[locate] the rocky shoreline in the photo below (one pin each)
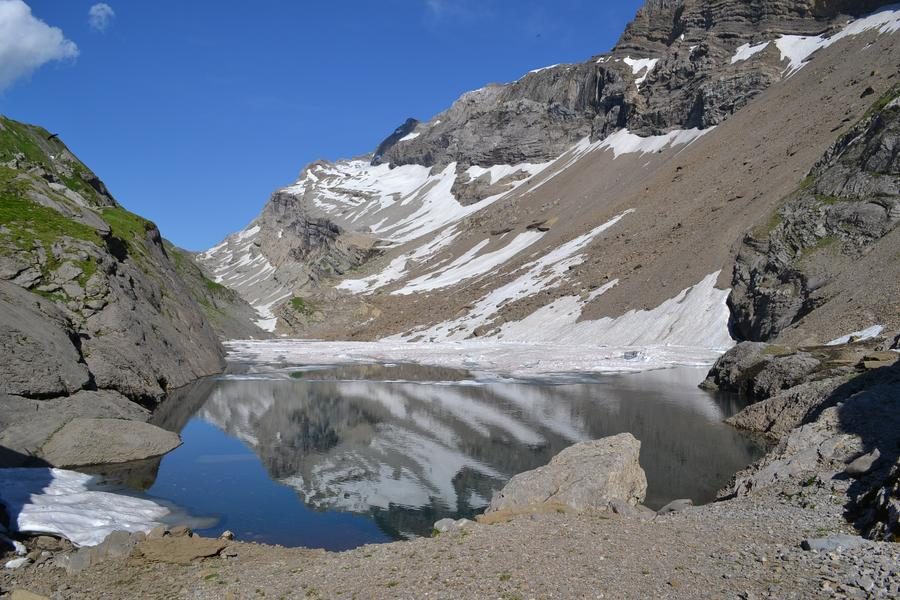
(816, 517)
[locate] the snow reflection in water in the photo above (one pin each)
(336, 457)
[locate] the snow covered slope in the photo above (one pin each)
(596, 203)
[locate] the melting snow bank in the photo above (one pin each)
(485, 359)
(61, 503)
(688, 329)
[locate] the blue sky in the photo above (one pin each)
(194, 112)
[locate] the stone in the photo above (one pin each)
(863, 464)
(30, 423)
(158, 532)
(180, 550)
(118, 545)
(835, 543)
(446, 525)
(586, 476)
(84, 442)
(730, 370)
(180, 531)
(676, 506)
(227, 535)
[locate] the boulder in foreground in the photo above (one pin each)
(586, 476)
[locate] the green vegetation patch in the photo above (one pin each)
(16, 138)
(30, 222)
(126, 225)
(821, 244)
(214, 287)
(885, 99)
(302, 306)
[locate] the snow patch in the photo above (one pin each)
(864, 334)
(409, 136)
(544, 68)
(625, 142)
(398, 268)
(60, 502)
(747, 51)
(698, 317)
(641, 65)
(540, 274)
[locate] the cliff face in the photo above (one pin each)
(672, 68)
(92, 306)
(830, 248)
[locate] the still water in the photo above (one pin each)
(337, 457)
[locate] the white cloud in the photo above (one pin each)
(26, 42)
(100, 16)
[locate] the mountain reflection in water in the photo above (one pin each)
(384, 451)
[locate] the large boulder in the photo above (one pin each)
(26, 425)
(84, 442)
(586, 476)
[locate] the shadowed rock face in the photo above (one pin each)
(845, 213)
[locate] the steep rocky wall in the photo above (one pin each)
(842, 222)
(692, 83)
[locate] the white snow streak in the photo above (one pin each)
(470, 264)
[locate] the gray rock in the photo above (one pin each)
(106, 441)
(39, 357)
(804, 257)
(586, 476)
(731, 370)
(116, 314)
(26, 425)
(676, 506)
(779, 415)
(118, 545)
(835, 543)
(863, 464)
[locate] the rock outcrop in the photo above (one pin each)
(837, 231)
(587, 476)
(836, 426)
(93, 309)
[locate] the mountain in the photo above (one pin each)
(725, 170)
(96, 319)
